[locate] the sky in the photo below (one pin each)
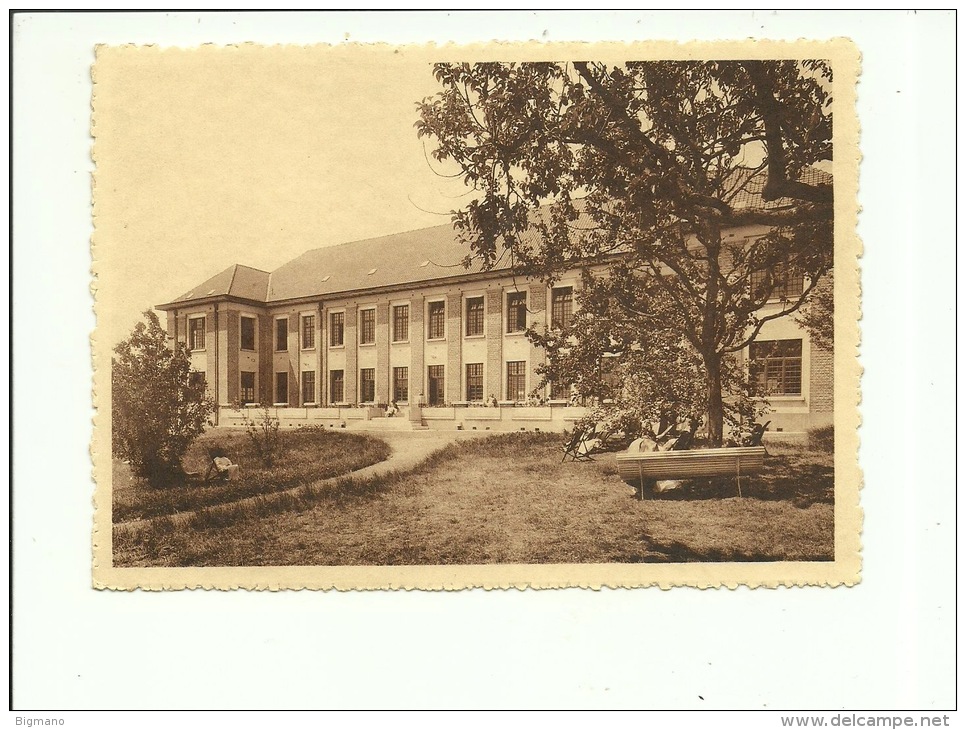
(251, 155)
(210, 155)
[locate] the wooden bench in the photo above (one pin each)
(636, 467)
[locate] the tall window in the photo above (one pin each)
(247, 333)
(367, 385)
(281, 387)
(247, 388)
(516, 380)
(559, 390)
(281, 334)
(367, 326)
(437, 320)
(196, 333)
(436, 382)
(337, 386)
(776, 365)
(474, 381)
(474, 316)
(308, 386)
(516, 311)
(785, 280)
(308, 332)
(400, 384)
(337, 330)
(562, 307)
(400, 323)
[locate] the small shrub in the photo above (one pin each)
(263, 435)
(822, 439)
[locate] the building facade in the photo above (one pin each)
(341, 332)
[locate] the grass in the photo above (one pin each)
(822, 439)
(509, 499)
(307, 455)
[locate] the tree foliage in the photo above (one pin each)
(818, 314)
(158, 409)
(633, 172)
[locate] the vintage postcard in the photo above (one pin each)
(507, 315)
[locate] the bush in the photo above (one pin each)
(158, 407)
(263, 435)
(822, 439)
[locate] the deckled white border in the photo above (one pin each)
(580, 648)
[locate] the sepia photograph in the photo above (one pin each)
(483, 360)
(369, 308)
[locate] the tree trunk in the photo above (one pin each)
(715, 402)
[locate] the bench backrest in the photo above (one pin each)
(689, 464)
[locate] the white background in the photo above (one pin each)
(885, 644)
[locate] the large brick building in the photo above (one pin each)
(400, 319)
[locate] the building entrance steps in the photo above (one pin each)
(386, 424)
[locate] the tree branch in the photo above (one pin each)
(768, 318)
(778, 217)
(778, 185)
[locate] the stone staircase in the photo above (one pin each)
(386, 424)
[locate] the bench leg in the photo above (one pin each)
(738, 470)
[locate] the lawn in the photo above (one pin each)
(307, 455)
(509, 499)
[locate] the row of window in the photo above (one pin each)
(281, 333)
(516, 384)
(775, 365)
(196, 332)
(784, 282)
(516, 321)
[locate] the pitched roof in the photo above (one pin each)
(745, 187)
(423, 255)
(237, 280)
(401, 258)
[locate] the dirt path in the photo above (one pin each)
(409, 448)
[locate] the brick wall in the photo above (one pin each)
(821, 379)
(537, 304)
(212, 351)
(417, 334)
(383, 373)
(172, 325)
(454, 348)
(183, 328)
(266, 353)
(294, 374)
(321, 361)
(351, 354)
(494, 344)
(229, 371)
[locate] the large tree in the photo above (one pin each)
(633, 172)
